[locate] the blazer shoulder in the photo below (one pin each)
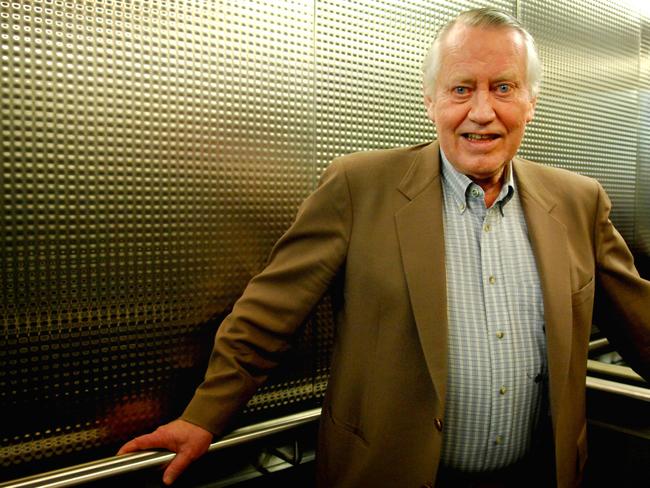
(379, 163)
(559, 183)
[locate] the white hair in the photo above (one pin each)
(483, 17)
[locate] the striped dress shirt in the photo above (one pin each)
(496, 340)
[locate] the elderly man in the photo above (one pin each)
(468, 278)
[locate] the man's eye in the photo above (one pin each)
(460, 90)
(503, 88)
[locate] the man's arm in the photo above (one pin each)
(623, 297)
(252, 339)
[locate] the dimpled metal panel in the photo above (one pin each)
(151, 155)
(642, 220)
(368, 71)
(588, 110)
(266, 162)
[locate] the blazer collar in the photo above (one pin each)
(534, 187)
(424, 170)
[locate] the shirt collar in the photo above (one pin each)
(461, 185)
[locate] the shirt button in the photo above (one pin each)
(503, 390)
(475, 192)
(499, 334)
(461, 207)
(492, 280)
(498, 439)
(438, 423)
(486, 227)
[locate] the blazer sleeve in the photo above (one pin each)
(623, 297)
(252, 338)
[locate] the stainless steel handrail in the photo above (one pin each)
(598, 343)
(616, 370)
(118, 465)
(631, 391)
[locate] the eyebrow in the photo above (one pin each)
(505, 77)
(468, 80)
(462, 81)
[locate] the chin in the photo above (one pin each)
(482, 169)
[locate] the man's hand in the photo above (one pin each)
(187, 440)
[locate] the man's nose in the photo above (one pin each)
(481, 111)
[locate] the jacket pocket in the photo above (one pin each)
(584, 293)
(346, 427)
(341, 453)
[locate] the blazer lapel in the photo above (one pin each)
(420, 228)
(420, 232)
(551, 247)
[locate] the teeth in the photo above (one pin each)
(479, 137)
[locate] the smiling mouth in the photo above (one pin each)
(480, 137)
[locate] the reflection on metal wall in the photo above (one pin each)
(587, 117)
(153, 152)
(642, 209)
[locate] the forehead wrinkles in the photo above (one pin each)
(474, 49)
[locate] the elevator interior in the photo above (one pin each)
(152, 152)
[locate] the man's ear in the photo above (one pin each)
(430, 105)
(531, 109)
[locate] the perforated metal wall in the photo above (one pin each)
(152, 152)
(641, 240)
(587, 118)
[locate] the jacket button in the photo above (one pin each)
(438, 423)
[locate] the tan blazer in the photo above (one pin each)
(374, 227)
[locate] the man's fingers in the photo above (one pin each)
(179, 464)
(189, 441)
(147, 441)
(174, 469)
(130, 446)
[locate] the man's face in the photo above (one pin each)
(481, 103)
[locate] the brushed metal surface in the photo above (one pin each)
(641, 241)
(151, 155)
(587, 116)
